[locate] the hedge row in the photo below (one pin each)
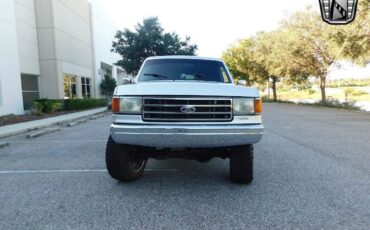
(53, 105)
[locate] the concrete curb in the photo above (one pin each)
(15, 129)
(42, 132)
(74, 123)
(3, 144)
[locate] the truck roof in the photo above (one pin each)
(183, 57)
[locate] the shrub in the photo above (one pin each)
(47, 106)
(359, 93)
(335, 103)
(348, 83)
(348, 91)
(353, 92)
(50, 105)
(330, 103)
(37, 108)
(78, 104)
(311, 91)
(108, 85)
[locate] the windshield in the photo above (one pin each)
(184, 70)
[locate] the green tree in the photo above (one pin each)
(240, 58)
(148, 39)
(108, 85)
(317, 45)
(272, 52)
(310, 50)
(353, 40)
(262, 58)
(302, 46)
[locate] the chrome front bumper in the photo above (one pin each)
(186, 136)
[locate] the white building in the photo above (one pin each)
(103, 31)
(53, 49)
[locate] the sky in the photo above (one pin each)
(212, 24)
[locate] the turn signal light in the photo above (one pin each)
(258, 105)
(115, 105)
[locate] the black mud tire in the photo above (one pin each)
(122, 162)
(241, 164)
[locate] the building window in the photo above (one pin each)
(86, 87)
(105, 69)
(30, 90)
(70, 88)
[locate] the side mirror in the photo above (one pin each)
(126, 81)
(241, 82)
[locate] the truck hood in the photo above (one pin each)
(185, 89)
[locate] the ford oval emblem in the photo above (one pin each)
(188, 109)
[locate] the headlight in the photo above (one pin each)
(127, 105)
(243, 106)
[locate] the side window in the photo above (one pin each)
(224, 74)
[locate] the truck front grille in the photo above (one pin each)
(187, 109)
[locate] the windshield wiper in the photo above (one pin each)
(156, 75)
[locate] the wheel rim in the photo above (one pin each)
(136, 162)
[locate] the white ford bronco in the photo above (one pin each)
(185, 107)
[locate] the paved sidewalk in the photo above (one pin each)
(15, 129)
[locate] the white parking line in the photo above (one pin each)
(52, 171)
(71, 171)
(48, 141)
(167, 170)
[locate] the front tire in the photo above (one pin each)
(241, 164)
(123, 162)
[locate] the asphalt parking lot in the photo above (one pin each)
(312, 171)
